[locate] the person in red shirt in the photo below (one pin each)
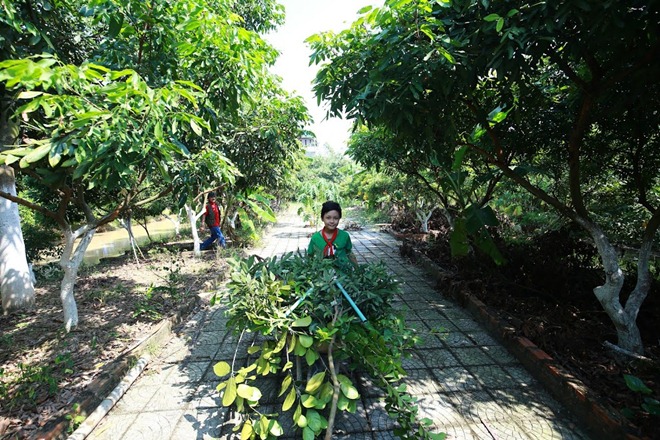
(211, 218)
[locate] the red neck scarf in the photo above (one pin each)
(329, 249)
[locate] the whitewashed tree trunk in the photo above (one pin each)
(232, 220)
(192, 218)
(449, 217)
(608, 294)
(70, 261)
(424, 218)
(135, 247)
(16, 284)
(176, 222)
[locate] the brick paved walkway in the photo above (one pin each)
(468, 384)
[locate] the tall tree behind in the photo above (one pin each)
(148, 98)
(26, 28)
(569, 88)
(16, 283)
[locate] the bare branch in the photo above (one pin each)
(625, 352)
(161, 194)
(574, 143)
(30, 205)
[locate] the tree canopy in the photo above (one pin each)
(560, 89)
(128, 96)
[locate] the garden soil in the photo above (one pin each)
(44, 370)
(545, 292)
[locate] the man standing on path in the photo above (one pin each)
(211, 218)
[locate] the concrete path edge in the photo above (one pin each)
(101, 387)
(95, 417)
(599, 421)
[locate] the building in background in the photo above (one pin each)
(310, 144)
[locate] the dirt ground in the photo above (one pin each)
(545, 292)
(43, 369)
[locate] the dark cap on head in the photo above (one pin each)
(330, 206)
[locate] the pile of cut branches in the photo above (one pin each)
(318, 325)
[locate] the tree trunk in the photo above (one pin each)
(144, 223)
(126, 223)
(623, 318)
(16, 285)
(608, 294)
(643, 285)
(176, 222)
(450, 218)
(70, 261)
(424, 218)
(192, 218)
(232, 221)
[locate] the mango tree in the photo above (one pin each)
(104, 128)
(460, 186)
(205, 171)
(564, 87)
(97, 124)
(26, 28)
(208, 44)
(263, 142)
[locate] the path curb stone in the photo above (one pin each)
(599, 421)
(105, 382)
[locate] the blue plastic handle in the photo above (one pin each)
(300, 300)
(351, 302)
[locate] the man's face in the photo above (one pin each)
(211, 199)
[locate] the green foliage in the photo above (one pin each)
(522, 214)
(323, 178)
(141, 109)
(490, 78)
(30, 382)
(378, 191)
(473, 227)
(159, 299)
(295, 305)
(527, 94)
(52, 27)
(109, 123)
(145, 307)
(40, 233)
(48, 271)
(248, 234)
(75, 418)
(649, 404)
(409, 184)
(263, 142)
(4, 386)
(391, 194)
(42, 240)
(259, 15)
(253, 209)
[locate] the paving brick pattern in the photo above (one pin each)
(466, 383)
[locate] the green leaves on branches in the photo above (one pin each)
(312, 341)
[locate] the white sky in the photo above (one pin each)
(303, 19)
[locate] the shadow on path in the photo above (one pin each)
(465, 382)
